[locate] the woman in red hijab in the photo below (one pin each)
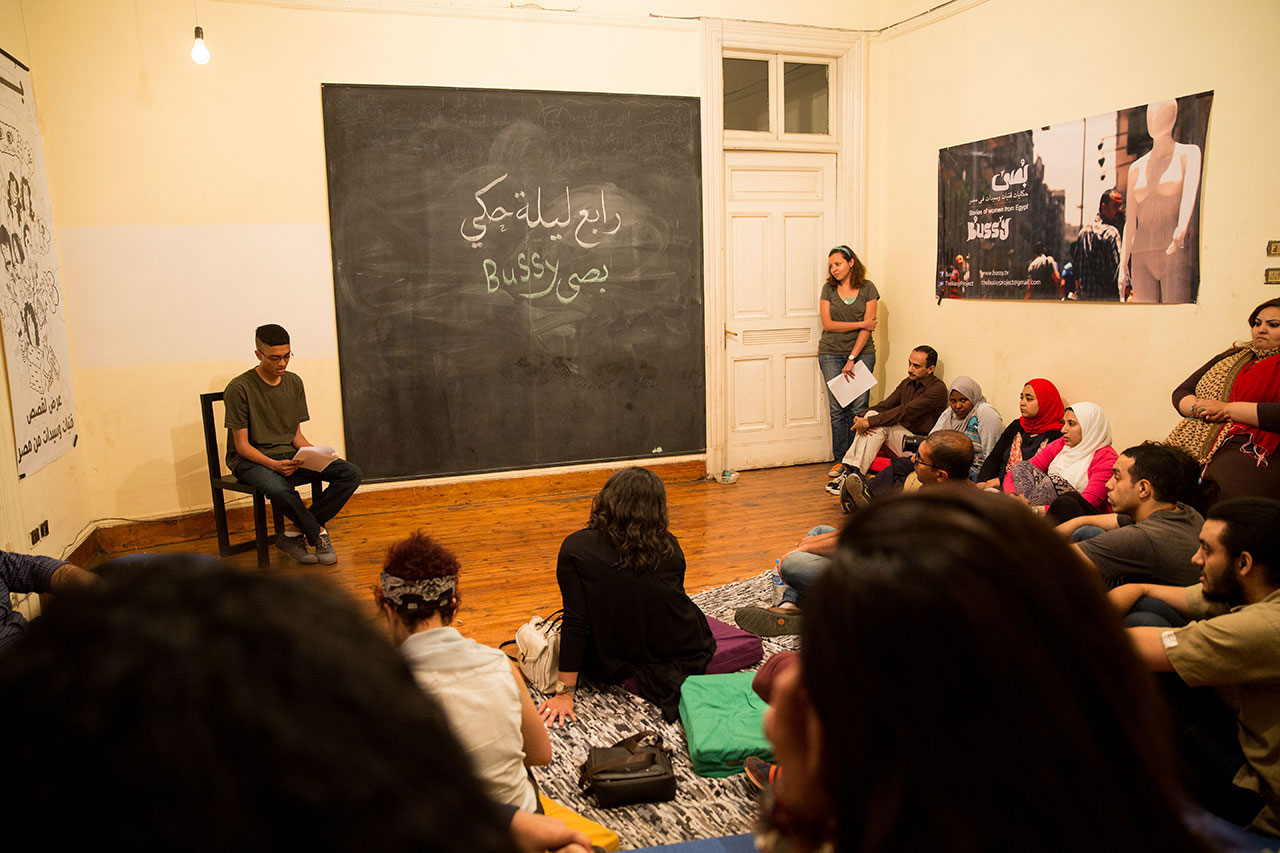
(1041, 422)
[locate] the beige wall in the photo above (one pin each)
(56, 493)
(1009, 65)
(190, 202)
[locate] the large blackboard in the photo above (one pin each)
(517, 276)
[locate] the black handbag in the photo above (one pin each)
(634, 770)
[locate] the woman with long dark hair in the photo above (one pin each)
(626, 614)
(966, 690)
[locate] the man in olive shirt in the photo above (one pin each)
(912, 409)
(265, 408)
(1233, 647)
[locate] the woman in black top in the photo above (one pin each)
(1041, 410)
(626, 614)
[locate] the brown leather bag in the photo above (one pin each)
(636, 769)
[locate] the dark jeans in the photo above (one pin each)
(342, 479)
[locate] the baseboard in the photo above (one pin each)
(140, 535)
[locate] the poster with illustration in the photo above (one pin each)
(1100, 209)
(31, 309)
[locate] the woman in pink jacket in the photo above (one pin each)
(1068, 477)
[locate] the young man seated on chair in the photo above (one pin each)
(265, 408)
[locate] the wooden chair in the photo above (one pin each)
(219, 483)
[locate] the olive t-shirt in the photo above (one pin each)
(853, 312)
(1237, 651)
(271, 413)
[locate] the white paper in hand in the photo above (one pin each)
(846, 390)
(315, 458)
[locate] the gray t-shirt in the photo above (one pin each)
(271, 413)
(1157, 549)
(852, 312)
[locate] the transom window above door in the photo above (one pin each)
(775, 96)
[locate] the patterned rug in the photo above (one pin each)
(703, 808)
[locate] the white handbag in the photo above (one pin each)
(538, 644)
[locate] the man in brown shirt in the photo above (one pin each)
(912, 409)
(1232, 646)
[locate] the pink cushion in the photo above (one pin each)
(735, 649)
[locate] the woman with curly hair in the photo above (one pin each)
(482, 692)
(626, 614)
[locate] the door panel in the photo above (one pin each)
(781, 209)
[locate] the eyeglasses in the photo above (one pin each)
(915, 457)
(276, 359)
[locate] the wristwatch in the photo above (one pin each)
(561, 688)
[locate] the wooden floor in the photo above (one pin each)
(507, 540)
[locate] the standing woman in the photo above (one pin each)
(848, 307)
(626, 614)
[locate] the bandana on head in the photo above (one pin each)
(414, 594)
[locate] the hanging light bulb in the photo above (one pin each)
(199, 53)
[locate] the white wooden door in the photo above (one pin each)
(781, 224)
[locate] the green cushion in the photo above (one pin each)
(723, 722)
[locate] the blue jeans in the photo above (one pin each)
(831, 366)
(342, 477)
(800, 569)
(1088, 531)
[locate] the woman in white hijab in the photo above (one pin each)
(1068, 477)
(969, 412)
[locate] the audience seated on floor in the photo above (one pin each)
(183, 705)
(480, 688)
(1222, 633)
(1068, 477)
(1049, 735)
(1040, 422)
(911, 409)
(967, 412)
(1151, 535)
(944, 457)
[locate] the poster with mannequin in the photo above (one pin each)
(32, 313)
(1101, 209)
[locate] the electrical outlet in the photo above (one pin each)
(35, 535)
(44, 528)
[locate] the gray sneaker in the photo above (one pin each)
(769, 621)
(324, 550)
(296, 547)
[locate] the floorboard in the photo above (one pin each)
(507, 540)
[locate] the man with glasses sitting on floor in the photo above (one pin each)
(943, 457)
(265, 408)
